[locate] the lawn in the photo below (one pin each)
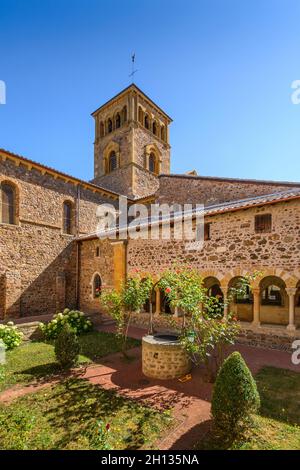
(66, 416)
(278, 424)
(34, 360)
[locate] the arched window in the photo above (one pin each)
(97, 286)
(152, 161)
(101, 129)
(68, 217)
(271, 295)
(112, 161)
(146, 121)
(118, 121)
(124, 114)
(154, 128)
(8, 203)
(162, 133)
(140, 115)
(109, 125)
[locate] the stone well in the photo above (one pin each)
(163, 357)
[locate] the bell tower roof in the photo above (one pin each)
(138, 91)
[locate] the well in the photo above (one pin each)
(163, 357)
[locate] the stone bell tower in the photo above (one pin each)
(131, 145)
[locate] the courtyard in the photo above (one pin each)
(41, 408)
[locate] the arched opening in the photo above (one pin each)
(140, 117)
(101, 129)
(164, 303)
(118, 121)
(162, 133)
(8, 203)
(97, 284)
(124, 114)
(215, 307)
(112, 161)
(68, 217)
(152, 163)
(241, 299)
(109, 126)
(154, 128)
(274, 302)
(146, 121)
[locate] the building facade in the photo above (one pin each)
(51, 256)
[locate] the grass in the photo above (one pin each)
(277, 427)
(65, 416)
(35, 360)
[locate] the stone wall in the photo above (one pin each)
(182, 189)
(38, 261)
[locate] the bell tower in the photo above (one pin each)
(131, 145)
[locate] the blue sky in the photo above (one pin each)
(221, 68)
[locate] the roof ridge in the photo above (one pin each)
(225, 178)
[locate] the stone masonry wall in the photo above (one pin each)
(38, 261)
(190, 189)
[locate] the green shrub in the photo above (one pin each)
(235, 398)
(67, 347)
(78, 321)
(10, 335)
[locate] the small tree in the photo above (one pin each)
(67, 347)
(235, 398)
(120, 304)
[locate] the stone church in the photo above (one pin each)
(51, 256)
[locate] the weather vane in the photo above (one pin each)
(133, 71)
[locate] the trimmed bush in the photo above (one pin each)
(235, 397)
(10, 336)
(67, 347)
(78, 321)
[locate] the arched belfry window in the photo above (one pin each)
(97, 284)
(68, 217)
(140, 115)
(162, 133)
(118, 121)
(124, 114)
(8, 203)
(101, 129)
(154, 128)
(152, 161)
(109, 125)
(112, 161)
(147, 121)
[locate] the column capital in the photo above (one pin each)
(291, 290)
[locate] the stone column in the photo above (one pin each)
(224, 289)
(256, 306)
(291, 292)
(157, 309)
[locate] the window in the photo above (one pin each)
(118, 121)
(146, 121)
(272, 296)
(97, 251)
(124, 114)
(67, 217)
(112, 162)
(109, 125)
(162, 133)
(152, 162)
(263, 223)
(101, 129)
(154, 128)
(207, 231)
(140, 115)
(8, 203)
(97, 286)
